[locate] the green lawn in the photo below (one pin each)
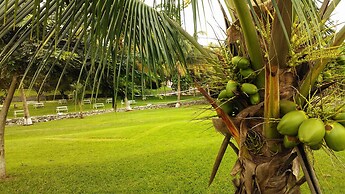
(149, 151)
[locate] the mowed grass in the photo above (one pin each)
(149, 151)
(146, 151)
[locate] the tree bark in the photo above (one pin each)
(128, 105)
(261, 171)
(258, 170)
(3, 116)
(27, 118)
(178, 104)
(81, 115)
(38, 98)
(265, 176)
(178, 87)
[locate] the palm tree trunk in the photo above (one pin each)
(27, 118)
(265, 176)
(178, 87)
(127, 104)
(261, 171)
(258, 170)
(38, 98)
(3, 115)
(81, 115)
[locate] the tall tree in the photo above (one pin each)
(3, 115)
(283, 41)
(27, 118)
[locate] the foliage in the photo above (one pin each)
(186, 83)
(22, 57)
(91, 28)
(283, 40)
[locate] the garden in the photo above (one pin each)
(150, 151)
(124, 96)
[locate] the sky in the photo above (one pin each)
(215, 19)
(339, 14)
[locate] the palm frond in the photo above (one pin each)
(146, 31)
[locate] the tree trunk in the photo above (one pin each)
(128, 105)
(27, 118)
(265, 175)
(260, 170)
(3, 116)
(178, 104)
(178, 87)
(113, 103)
(38, 98)
(81, 115)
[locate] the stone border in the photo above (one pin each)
(46, 118)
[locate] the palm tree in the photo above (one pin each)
(262, 31)
(27, 118)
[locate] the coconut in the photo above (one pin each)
(340, 118)
(248, 73)
(311, 131)
(286, 106)
(254, 98)
(290, 122)
(231, 88)
(222, 95)
(335, 136)
(290, 141)
(249, 88)
(240, 62)
(227, 107)
(316, 147)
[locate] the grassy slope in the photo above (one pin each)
(150, 151)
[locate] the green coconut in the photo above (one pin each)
(290, 122)
(222, 95)
(290, 141)
(249, 88)
(248, 73)
(231, 88)
(316, 146)
(254, 98)
(340, 118)
(286, 106)
(311, 131)
(240, 62)
(227, 107)
(335, 136)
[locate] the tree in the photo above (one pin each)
(282, 39)
(78, 92)
(262, 156)
(27, 118)
(14, 69)
(3, 115)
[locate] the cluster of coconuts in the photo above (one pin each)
(232, 88)
(297, 128)
(243, 64)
